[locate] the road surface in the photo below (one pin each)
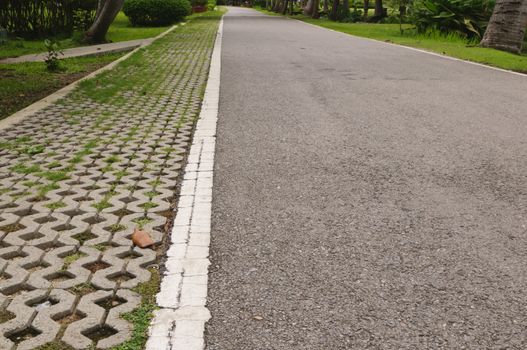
(367, 196)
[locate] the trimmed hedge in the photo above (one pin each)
(156, 12)
(199, 2)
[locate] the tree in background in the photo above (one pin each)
(506, 28)
(366, 9)
(311, 9)
(107, 10)
(333, 14)
(379, 10)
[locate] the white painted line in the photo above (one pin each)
(415, 49)
(179, 324)
(57, 95)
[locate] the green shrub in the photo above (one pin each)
(468, 18)
(52, 56)
(211, 5)
(156, 12)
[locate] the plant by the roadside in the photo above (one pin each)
(52, 57)
(468, 18)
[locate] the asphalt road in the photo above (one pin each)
(367, 196)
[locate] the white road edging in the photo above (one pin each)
(179, 324)
(57, 95)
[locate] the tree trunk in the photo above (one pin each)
(311, 9)
(345, 8)
(366, 8)
(315, 13)
(506, 28)
(334, 10)
(326, 6)
(106, 12)
(284, 7)
(308, 9)
(100, 5)
(279, 6)
(379, 9)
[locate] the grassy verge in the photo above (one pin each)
(25, 83)
(120, 30)
(451, 45)
(142, 316)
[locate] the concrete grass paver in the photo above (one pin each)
(78, 177)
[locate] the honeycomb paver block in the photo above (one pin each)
(116, 322)
(106, 167)
(94, 318)
(44, 319)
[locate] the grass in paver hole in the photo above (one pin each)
(83, 237)
(56, 205)
(70, 259)
(55, 346)
(141, 222)
(116, 228)
(6, 316)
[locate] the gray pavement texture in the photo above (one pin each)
(82, 51)
(366, 196)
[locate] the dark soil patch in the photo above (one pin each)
(29, 87)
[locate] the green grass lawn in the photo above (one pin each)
(25, 83)
(447, 45)
(121, 30)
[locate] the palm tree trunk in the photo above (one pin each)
(506, 28)
(366, 8)
(106, 12)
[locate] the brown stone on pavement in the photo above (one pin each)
(142, 239)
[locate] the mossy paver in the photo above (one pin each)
(77, 178)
